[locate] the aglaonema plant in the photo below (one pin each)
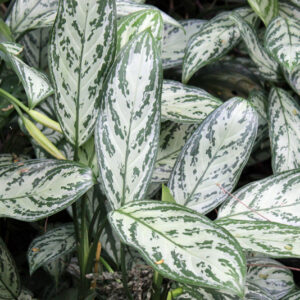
(108, 130)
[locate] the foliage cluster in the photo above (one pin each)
(135, 128)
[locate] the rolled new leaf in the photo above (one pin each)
(284, 116)
(274, 198)
(82, 48)
(50, 246)
(10, 284)
(41, 139)
(127, 130)
(36, 189)
(214, 156)
(182, 245)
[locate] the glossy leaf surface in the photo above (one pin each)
(214, 156)
(182, 244)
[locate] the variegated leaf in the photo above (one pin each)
(284, 115)
(36, 47)
(268, 238)
(12, 48)
(288, 10)
(137, 22)
(30, 14)
(248, 15)
(175, 40)
(265, 9)
(282, 39)
(271, 276)
(274, 198)
(293, 78)
(127, 130)
(181, 244)
(81, 50)
(10, 285)
(214, 155)
(57, 267)
(259, 100)
(214, 40)
(267, 66)
(50, 246)
(173, 137)
(294, 295)
(186, 104)
(38, 188)
(252, 292)
(126, 7)
(36, 84)
(6, 159)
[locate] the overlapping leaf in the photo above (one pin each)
(282, 39)
(36, 47)
(214, 40)
(288, 10)
(214, 156)
(259, 100)
(270, 275)
(137, 22)
(38, 188)
(81, 50)
(30, 14)
(265, 9)
(292, 296)
(252, 292)
(10, 285)
(126, 7)
(127, 130)
(172, 139)
(267, 66)
(58, 139)
(8, 158)
(50, 246)
(274, 198)
(175, 40)
(293, 78)
(284, 115)
(269, 238)
(36, 84)
(182, 244)
(185, 104)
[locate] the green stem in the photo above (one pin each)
(124, 273)
(13, 100)
(157, 281)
